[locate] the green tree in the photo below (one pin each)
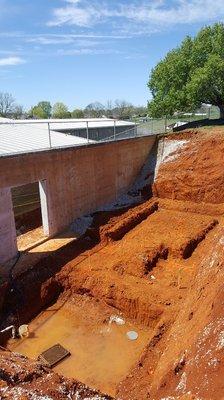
(41, 111)
(37, 112)
(190, 75)
(46, 107)
(77, 113)
(60, 110)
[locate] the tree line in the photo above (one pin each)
(120, 109)
(190, 75)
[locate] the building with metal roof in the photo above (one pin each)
(30, 135)
(95, 129)
(20, 138)
(76, 123)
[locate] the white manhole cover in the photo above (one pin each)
(132, 335)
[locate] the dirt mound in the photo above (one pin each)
(131, 219)
(186, 134)
(194, 172)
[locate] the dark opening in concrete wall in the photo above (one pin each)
(30, 212)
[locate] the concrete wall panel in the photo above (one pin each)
(78, 180)
(8, 245)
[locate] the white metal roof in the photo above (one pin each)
(2, 119)
(76, 123)
(82, 124)
(30, 137)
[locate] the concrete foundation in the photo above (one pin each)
(74, 181)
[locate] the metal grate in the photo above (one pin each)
(54, 355)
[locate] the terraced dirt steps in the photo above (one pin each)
(159, 267)
(141, 270)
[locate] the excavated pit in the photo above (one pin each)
(134, 270)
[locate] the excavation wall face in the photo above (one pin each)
(75, 181)
(190, 167)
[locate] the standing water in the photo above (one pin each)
(102, 354)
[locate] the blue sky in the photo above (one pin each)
(80, 51)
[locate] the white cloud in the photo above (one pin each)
(184, 12)
(51, 39)
(57, 38)
(7, 61)
(151, 14)
(75, 14)
(46, 40)
(86, 52)
(83, 13)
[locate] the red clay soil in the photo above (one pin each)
(23, 379)
(161, 265)
(196, 172)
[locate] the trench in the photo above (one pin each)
(121, 270)
(193, 243)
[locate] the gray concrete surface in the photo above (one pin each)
(74, 181)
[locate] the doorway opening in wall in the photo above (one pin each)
(27, 203)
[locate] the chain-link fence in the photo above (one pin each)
(30, 135)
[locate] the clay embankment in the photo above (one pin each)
(186, 362)
(159, 265)
(194, 172)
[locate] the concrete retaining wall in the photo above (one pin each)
(74, 181)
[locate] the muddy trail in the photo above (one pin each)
(155, 269)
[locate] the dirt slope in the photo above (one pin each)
(193, 359)
(195, 171)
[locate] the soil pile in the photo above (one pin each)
(194, 172)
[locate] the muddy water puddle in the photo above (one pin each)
(102, 354)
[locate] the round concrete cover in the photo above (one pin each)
(132, 335)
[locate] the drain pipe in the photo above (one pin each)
(10, 328)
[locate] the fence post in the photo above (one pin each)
(49, 134)
(114, 129)
(165, 124)
(209, 112)
(87, 131)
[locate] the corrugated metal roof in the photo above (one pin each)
(30, 137)
(75, 123)
(2, 119)
(72, 125)
(17, 136)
